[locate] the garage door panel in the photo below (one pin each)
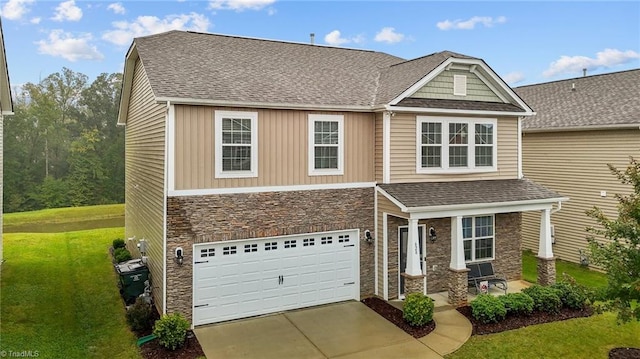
(254, 277)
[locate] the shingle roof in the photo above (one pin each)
(600, 100)
(459, 104)
(427, 194)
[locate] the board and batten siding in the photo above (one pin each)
(441, 87)
(574, 164)
(403, 153)
(384, 206)
(144, 173)
(282, 149)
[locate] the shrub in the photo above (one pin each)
(545, 299)
(571, 295)
(118, 243)
(417, 309)
(139, 315)
(517, 303)
(487, 308)
(121, 255)
(171, 330)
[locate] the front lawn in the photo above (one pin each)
(59, 298)
(583, 275)
(591, 337)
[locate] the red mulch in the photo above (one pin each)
(394, 315)
(515, 322)
(624, 353)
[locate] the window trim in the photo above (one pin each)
(311, 145)
(473, 239)
(253, 116)
(444, 153)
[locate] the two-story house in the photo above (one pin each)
(264, 176)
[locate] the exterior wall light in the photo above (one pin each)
(179, 255)
(367, 236)
(432, 234)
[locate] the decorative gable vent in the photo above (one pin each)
(460, 85)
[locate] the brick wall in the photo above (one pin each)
(213, 218)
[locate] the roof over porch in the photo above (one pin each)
(433, 199)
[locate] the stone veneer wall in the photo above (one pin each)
(213, 218)
(508, 251)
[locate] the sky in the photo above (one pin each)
(523, 42)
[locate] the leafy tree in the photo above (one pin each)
(86, 173)
(620, 254)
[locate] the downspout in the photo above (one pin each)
(520, 174)
(164, 210)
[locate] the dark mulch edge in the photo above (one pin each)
(394, 315)
(190, 350)
(519, 321)
(624, 353)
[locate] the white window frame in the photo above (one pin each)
(253, 116)
(444, 153)
(473, 239)
(311, 145)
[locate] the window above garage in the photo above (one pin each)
(236, 137)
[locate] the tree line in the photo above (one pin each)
(62, 147)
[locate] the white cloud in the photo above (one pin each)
(15, 9)
(239, 5)
(124, 31)
(513, 77)
(604, 59)
(116, 7)
(335, 38)
(67, 11)
(35, 20)
(470, 24)
(389, 35)
(63, 44)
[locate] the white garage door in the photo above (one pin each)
(252, 277)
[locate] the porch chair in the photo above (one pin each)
(479, 272)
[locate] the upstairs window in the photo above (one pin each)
(456, 145)
(236, 144)
(326, 148)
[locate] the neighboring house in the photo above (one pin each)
(580, 126)
(6, 108)
(265, 175)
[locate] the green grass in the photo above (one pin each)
(64, 215)
(584, 276)
(59, 294)
(591, 337)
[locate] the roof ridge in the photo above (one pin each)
(578, 78)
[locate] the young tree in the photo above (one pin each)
(619, 255)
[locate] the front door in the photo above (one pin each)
(403, 237)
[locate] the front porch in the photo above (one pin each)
(431, 231)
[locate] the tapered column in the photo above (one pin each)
(545, 248)
(413, 250)
(457, 248)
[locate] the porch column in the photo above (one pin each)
(458, 279)
(413, 250)
(546, 260)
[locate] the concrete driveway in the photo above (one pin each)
(346, 330)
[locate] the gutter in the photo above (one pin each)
(627, 126)
(483, 205)
(280, 106)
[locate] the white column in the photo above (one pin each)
(457, 248)
(413, 250)
(545, 249)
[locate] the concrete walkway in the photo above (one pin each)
(348, 330)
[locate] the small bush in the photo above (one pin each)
(417, 309)
(571, 295)
(545, 299)
(121, 255)
(171, 330)
(487, 308)
(139, 315)
(118, 243)
(517, 303)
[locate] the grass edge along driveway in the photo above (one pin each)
(58, 296)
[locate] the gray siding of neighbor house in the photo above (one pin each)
(441, 87)
(144, 177)
(574, 164)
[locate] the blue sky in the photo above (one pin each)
(524, 42)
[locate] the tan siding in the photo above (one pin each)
(282, 149)
(574, 164)
(441, 87)
(144, 172)
(403, 153)
(378, 157)
(1, 185)
(384, 206)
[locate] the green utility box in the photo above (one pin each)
(132, 275)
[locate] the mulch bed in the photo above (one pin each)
(394, 315)
(624, 353)
(190, 350)
(515, 322)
